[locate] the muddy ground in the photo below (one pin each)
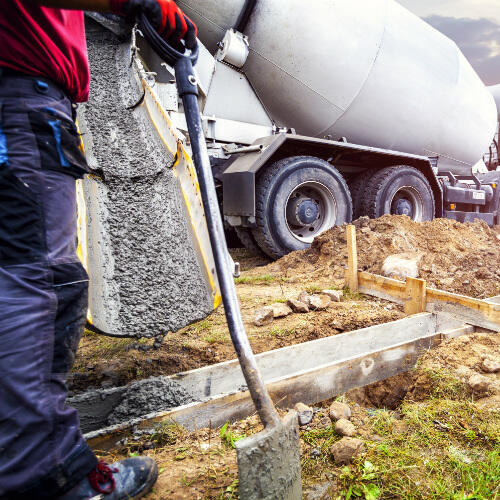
(439, 439)
(461, 258)
(431, 433)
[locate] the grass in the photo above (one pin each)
(348, 295)
(282, 332)
(441, 449)
(256, 280)
(228, 436)
(216, 337)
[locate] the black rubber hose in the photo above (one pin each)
(160, 46)
(245, 15)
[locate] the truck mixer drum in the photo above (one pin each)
(298, 198)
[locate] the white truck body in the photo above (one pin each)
(367, 70)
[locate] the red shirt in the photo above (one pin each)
(48, 42)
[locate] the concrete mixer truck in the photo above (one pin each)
(492, 156)
(320, 113)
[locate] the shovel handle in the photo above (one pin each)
(188, 90)
(187, 86)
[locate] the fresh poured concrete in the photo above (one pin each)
(145, 274)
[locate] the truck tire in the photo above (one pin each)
(357, 186)
(399, 190)
(247, 239)
(298, 198)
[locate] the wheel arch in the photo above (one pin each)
(241, 171)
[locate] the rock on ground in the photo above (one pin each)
(263, 316)
(401, 266)
(479, 384)
(280, 310)
(305, 414)
(490, 366)
(345, 450)
(339, 410)
(345, 428)
(298, 306)
(319, 302)
(335, 295)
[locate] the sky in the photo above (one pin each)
(473, 24)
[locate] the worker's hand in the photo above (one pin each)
(170, 22)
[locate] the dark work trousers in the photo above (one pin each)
(43, 291)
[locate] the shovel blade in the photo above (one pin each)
(269, 462)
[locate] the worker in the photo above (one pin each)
(44, 72)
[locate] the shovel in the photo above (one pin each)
(268, 462)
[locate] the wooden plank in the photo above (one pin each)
(415, 296)
(483, 313)
(493, 300)
(382, 287)
(469, 310)
(352, 259)
(309, 387)
(226, 377)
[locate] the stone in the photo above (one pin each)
(346, 449)
(280, 310)
(319, 302)
(345, 428)
(305, 298)
(325, 422)
(479, 383)
(335, 295)
(401, 266)
(490, 366)
(263, 316)
(305, 413)
(339, 410)
(298, 306)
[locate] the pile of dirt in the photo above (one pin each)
(456, 257)
(467, 365)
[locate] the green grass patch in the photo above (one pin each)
(256, 280)
(228, 437)
(440, 449)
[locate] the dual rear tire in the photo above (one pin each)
(300, 197)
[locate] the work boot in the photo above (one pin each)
(129, 479)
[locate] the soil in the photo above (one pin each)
(435, 420)
(107, 362)
(433, 414)
(459, 258)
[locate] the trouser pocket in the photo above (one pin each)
(58, 142)
(21, 224)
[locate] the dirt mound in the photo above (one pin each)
(468, 365)
(461, 258)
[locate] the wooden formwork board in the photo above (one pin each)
(326, 368)
(416, 297)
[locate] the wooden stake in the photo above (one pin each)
(416, 296)
(352, 262)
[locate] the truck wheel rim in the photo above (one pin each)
(407, 201)
(310, 210)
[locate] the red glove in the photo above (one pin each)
(170, 22)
